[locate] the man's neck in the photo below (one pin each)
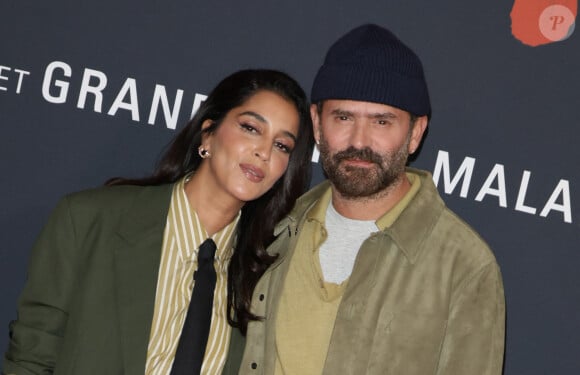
(373, 207)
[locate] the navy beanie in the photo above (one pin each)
(371, 64)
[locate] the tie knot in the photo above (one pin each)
(206, 251)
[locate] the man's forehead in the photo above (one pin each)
(361, 108)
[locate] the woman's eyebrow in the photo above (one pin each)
(261, 118)
(257, 116)
(289, 135)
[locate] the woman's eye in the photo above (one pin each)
(282, 147)
(248, 128)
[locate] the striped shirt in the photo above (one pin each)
(181, 240)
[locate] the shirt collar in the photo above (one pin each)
(190, 233)
(318, 210)
(393, 214)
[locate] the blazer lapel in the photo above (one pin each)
(137, 256)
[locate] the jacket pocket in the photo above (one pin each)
(407, 343)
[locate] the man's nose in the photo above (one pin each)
(360, 135)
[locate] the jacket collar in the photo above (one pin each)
(410, 229)
(147, 213)
(301, 207)
(137, 256)
(417, 220)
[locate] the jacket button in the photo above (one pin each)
(261, 297)
(254, 365)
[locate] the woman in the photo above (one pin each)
(110, 277)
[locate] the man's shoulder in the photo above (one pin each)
(460, 229)
(447, 228)
(459, 237)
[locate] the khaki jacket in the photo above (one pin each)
(425, 297)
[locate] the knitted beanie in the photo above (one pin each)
(371, 64)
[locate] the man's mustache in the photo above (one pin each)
(365, 154)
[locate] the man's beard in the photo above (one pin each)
(354, 182)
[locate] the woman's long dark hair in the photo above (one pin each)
(256, 226)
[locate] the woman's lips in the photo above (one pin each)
(252, 172)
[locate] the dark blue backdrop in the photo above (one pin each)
(504, 111)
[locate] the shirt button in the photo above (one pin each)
(254, 365)
(261, 297)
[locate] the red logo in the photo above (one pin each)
(537, 22)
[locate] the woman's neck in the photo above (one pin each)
(214, 210)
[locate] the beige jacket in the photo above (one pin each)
(425, 297)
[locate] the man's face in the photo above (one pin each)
(364, 146)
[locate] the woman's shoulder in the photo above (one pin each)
(116, 198)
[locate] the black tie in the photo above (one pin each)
(193, 340)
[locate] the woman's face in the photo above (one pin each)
(251, 148)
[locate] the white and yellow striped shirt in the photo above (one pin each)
(181, 240)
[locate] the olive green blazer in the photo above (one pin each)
(88, 301)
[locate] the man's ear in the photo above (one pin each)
(417, 133)
(315, 122)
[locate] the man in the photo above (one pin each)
(375, 274)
